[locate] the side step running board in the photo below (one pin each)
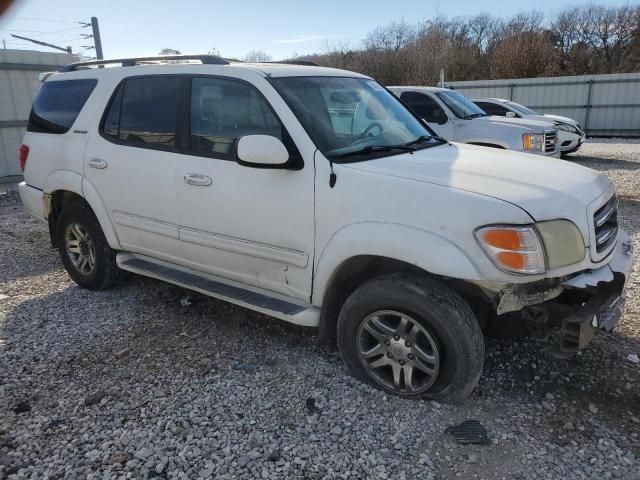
(261, 301)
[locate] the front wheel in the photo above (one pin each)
(412, 336)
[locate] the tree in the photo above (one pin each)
(576, 40)
(169, 51)
(257, 56)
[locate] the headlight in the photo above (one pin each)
(563, 242)
(567, 128)
(532, 249)
(513, 249)
(533, 142)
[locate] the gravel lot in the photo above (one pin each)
(149, 380)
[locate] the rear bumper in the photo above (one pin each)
(32, 199)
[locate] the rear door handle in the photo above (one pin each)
(97, 163)
(197, 179)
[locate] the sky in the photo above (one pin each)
(282, 28)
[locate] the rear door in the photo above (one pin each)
(430, 111)
(252, 225)
(131, 161)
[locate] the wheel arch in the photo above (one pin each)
(63, 187)
(348, 261)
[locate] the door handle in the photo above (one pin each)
(97, 163)
(197, 179)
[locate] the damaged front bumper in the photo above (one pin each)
(579, 304)
(606, 305)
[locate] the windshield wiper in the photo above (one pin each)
(375, 149)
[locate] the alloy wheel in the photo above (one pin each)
(80, 248)
(398, 352)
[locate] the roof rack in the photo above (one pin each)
(129, 62)
(304, 63)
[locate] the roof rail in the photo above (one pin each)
(304, 63)
(129, 62)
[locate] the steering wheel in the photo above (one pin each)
(366, 131)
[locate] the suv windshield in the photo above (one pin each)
(353, 117)
(521, 108)
(460, 105)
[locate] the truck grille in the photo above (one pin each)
(605, 222)
(550, 139)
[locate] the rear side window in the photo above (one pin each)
(58, 104)
(144, 112)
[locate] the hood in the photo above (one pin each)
(546, 188)
(533, 125)
(558, 118)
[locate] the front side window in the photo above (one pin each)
(460, 105)
(144, 112)
(493, 109)
(352, 117)
(224, 110)
(58, 104)
(425, 107)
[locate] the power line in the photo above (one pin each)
(95, 35)
(25, 19)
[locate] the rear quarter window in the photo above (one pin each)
(58, 104)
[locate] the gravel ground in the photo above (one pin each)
(149, 380)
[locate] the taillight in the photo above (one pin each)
(23, 155)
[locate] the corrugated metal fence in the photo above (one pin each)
(19, 70)
(607, 105)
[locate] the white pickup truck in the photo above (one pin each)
(314, 196)
(570, 134)
(455, 118)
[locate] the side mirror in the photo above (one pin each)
(261, 151)
(510, 114)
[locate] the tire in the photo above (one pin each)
(447, 339)
(78, 220)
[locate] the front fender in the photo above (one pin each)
(426, 250)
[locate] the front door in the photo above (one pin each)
(252, 225)
(131, 163)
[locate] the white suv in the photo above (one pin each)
(314, 196)
(454, 117)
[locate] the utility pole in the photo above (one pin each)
(96, 37)
(66, 50)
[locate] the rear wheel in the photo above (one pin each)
(412, 336)
(84, 250)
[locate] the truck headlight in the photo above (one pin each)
(567, 128)
(513, 249)
(533, 142)
(563, 242)
(532, 249)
